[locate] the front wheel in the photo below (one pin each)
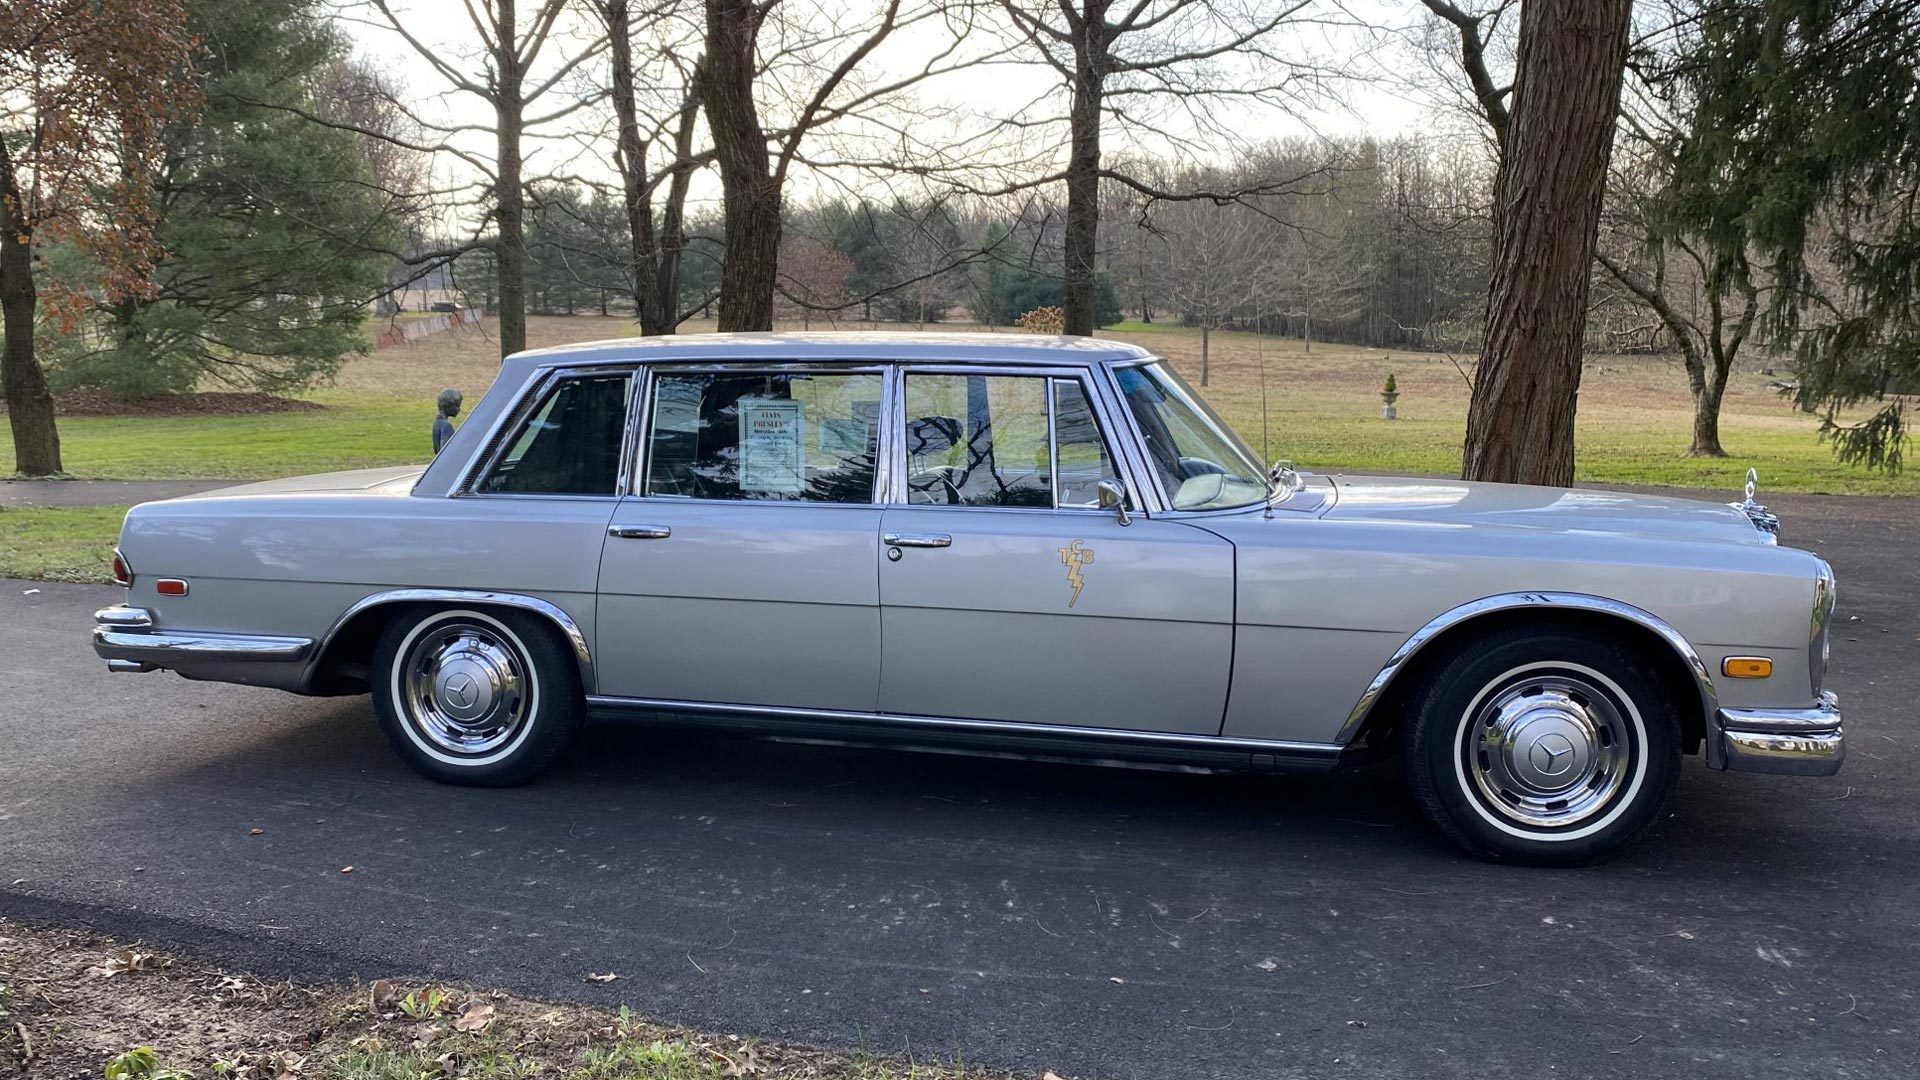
(1543, 746)
(483, 698)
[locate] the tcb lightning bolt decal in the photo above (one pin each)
(1076, 557)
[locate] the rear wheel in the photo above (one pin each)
(1544, 746)
(476, 697)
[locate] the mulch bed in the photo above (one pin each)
(214, 403)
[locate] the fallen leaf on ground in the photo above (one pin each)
(255, 832)
(128, 961)
(26, 1044)
(346, 869)
(475, 1018)
(1116, 979)
(608, 977)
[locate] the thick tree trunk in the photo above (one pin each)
(1082, 239)
(1706, 416)
(632, 159)
(751, 229)
(510, 211)
(1553, 172)
(36, 440)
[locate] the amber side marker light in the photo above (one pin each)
(1746, 667)
(170, 586)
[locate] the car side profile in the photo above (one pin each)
(1032, 545)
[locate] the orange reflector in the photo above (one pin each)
(1746, 667)
(170, 586)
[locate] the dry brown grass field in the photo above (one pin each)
(1323, 404)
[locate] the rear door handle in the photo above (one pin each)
(923, 540)
(639, 532)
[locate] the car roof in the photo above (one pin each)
(873, 345)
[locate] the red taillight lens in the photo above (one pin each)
(122, 575)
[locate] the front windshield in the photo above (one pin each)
(1202, 465)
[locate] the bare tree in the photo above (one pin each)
(655, 116)
(775, 73)
(510, 48)
(1213, 262)
(1554, 128)
(1124, 61)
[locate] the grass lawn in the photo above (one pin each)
(1322, 411)
(59, 543)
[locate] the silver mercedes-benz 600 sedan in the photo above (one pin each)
(1027, 545)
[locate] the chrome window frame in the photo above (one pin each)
(511, 419)
(1137, 444)
(640, 451)
(1085, 375)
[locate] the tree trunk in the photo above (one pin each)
(36, 441)
(631, 158)
(1082, 239)
(1553, 173)
(1206, 353)
(1706, 416)
(751, 229)
(508, 192)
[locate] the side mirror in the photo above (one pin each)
(1113, 496)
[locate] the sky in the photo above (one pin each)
(1373, 98)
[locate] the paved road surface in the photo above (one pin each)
(1100, 922)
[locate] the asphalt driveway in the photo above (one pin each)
(1097, 922)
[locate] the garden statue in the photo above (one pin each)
(1390, 394)
(449, 402)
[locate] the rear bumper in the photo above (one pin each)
(127, 640)
(1791, 742)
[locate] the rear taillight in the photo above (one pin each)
(122, 574)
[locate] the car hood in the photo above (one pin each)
(394, 480)
(1564, 510)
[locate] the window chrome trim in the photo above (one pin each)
(513, 418)
(1412, 647)
(1088, 378)
(642, 453)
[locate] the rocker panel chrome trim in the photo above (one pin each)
(1087, 739)
(1548, 601)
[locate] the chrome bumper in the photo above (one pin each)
(127, 640)
(1792, 742)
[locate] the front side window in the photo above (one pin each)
(984, 440)
(775, 437)
(1200, 462)
(569, 444)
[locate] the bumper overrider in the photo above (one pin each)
(127, 640)
(1793, 742)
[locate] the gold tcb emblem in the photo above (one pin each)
(1077, 557)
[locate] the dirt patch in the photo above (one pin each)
(212, 403)
(71, 1003)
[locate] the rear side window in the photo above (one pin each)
(775, 437)
(569, 444)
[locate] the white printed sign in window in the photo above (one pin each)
(771, 452)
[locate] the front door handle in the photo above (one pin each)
(925, 540)
(639, 532)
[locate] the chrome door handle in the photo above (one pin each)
(639, 532)
(926, 540)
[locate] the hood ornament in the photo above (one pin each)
(1763, 519)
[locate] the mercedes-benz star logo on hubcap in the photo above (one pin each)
(1551, 754)
(460, 691)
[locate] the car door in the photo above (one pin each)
(1008, 595)
(741, 568)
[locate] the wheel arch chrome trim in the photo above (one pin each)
(1544, 602)
(563, 622)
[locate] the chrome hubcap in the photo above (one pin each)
(1548, 750)
(464, 688)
